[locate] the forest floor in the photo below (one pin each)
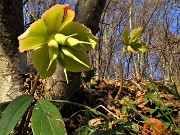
(144, 107)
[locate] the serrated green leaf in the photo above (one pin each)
(135, 34)
(57, 17)
(46, 119)
(82, 34)
(125, 36)
(13, 113)
(75, 57)
(34, 37)
(41, 61)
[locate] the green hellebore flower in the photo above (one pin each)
(55, 37)
(132, 42)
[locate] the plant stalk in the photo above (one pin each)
(32, 91)
(120, 75)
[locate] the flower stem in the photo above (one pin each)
(32, 91)
(120, 75)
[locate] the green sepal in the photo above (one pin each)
(135, 34)
(41, 61)
(125, 36)
(35, 36)
(57, 17)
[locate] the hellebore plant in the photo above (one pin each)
(133, 43)
(53, 38)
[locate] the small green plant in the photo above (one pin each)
(132, 42)
(53, 39)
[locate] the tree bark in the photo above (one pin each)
(12, 64)
(89, 13)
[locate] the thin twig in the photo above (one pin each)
(108, 111)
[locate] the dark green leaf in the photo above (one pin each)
(46, 119)
(13, 113)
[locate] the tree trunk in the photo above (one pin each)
(89, 13)
(12, 64)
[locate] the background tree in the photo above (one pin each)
(13, 64)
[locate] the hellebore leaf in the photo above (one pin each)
(82, 34)
(135, 34)
(57, 17)
(41, 61)
(46, 119)
(75, 60)
(125, 36)
(14, 112)
(34, 37)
